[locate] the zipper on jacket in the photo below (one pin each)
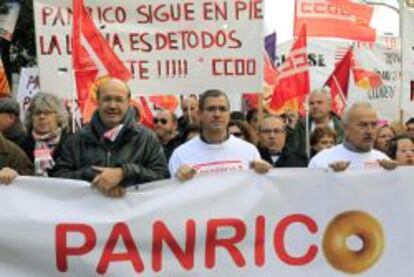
(108, 159)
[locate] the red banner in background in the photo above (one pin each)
(293, 80)
(334, 18)
(85, 68)
(338, 82)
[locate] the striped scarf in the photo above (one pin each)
(44, 147)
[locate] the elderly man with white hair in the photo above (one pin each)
(356, 151)
(320, 116)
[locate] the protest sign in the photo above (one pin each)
(169, 46)
(284, 223)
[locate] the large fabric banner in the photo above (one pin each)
(293, 222)
(170, 46)
(382, 57)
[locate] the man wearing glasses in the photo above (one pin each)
(272, 144)
(214, 151)
(113, 151)
(165, 127)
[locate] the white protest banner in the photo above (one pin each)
(28, 87)
(407, 96)
(9, 13)
(170, 46)
(382, 57)
(293, 222)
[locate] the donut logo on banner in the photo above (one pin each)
(341, 229)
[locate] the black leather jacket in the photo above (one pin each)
(136, 150)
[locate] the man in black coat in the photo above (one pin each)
(272, 144)
(113, 151)
(165, 127)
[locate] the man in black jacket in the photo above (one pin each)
(10, 124)
(320, 116)
(113, 151)
(165, 127)
(272, 144)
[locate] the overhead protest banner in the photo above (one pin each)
(290, 222)
(168, 46)
(335, 19)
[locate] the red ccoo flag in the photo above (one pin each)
(293, 80)
(338, 83)
(335, 18)
(85, 69)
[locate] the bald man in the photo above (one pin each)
(357, 151)
(113, 151)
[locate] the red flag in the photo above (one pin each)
(4, 83)
(293, 80)
(338, 83)
(145, 114)
(364, 78)
(165, 102)
(270, 73)
(335, 18)
(86, 71)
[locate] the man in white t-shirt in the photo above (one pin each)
(214, 150)
(360, 123)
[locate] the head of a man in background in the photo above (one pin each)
(165, 125)
(272, 133)
(361, 126)
(320, 104)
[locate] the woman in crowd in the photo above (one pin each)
(243, 131)
(402, 150)
(47, 124)
(384, 135)
(322, 138)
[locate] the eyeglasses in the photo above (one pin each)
(212, 109)
(269, 131)
(45, 113)
(163, 121)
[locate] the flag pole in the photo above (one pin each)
(74, 94)
(307, 127)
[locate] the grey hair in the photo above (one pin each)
(348, 113)
(47, 101)
(326, 91)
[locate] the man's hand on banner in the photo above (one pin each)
(108, 178)
(185, 173)
(116, 192)
(388, 164)
(339, 166)
(260, 166)
(7, 175)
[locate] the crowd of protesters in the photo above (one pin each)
(113, 151)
